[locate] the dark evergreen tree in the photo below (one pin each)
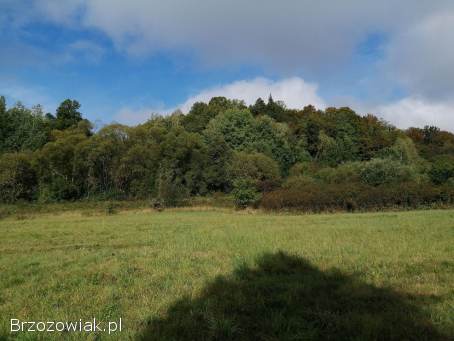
(67, 114)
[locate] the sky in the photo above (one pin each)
(124, 60)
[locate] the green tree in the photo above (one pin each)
(327, 149)
(375, 135)
(312, 135)
(171, 190)
(275, 110)
(67, 114)
(137, 170)
(61, 168)
(403, 150)
(430, 134)
(272, 139)
(243, 132)
(201, 113)
(237, 127)
(198, 117)
(186, 154)
(257, 167)
(18, 179)
(219, 156)
(2, 105)
(259, 107)
(245, 192)
(378, 171)
(22, 128)
(348, 172)
(442, 169)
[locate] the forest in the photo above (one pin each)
(264, 155)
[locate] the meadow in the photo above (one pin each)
(220, 274)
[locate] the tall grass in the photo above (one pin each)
(220, 274)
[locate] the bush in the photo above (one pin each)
(379, 171)
(450, 182)
(350, 197)
(403, 150)
(348, 172)
(156, 204)
(374, 173)
(442, 169)
(245, 193)
(298, 182)
(58, 190)
(303, 168)
(18, 179)
(171, 191)
(256, 168)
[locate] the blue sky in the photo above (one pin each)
(124, 60)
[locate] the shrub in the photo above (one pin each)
(322, 197)
(156, 204)
(256, 168)
(303, 168)
(57, 190)
(245, 193)
(442, 169)
(403, 150)
(297, 169)
(298, 182)
(171, 191)
(18, 179)
(450, 182)
(379, 171)
(348, 172)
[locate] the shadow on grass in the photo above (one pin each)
(286, 298)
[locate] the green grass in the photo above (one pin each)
(220, 274)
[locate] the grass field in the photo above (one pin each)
(220, 274)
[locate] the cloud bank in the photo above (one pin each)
(421, 57)
(295, 92)
(418, 112)
(287, 38)
(285, 35)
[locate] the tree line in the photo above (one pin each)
(261, 155)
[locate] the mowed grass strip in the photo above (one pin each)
(165, 274)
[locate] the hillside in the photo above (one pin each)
(262, 155)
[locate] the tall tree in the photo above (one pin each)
(67, 114)
(259, 108)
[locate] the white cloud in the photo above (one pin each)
(295, 92)
(286, 35)
(412, 111)
(422, 57)
(417, 112)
